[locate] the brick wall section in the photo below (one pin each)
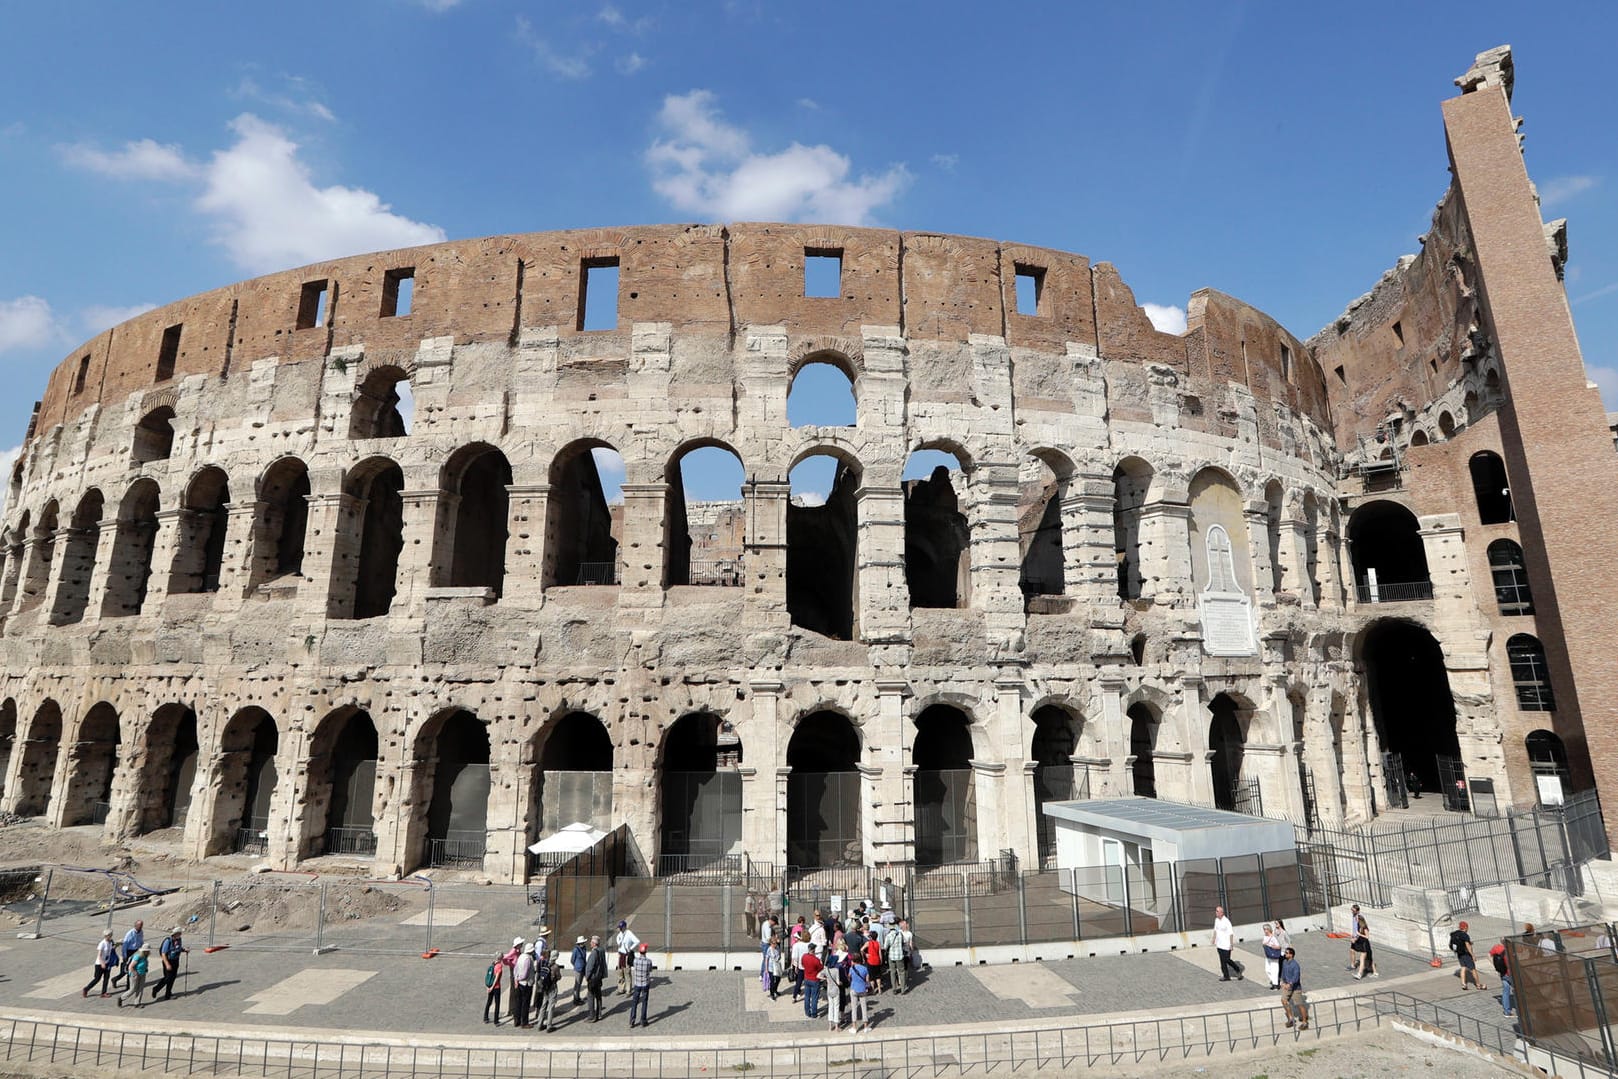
(1554, 435)
(700, 279)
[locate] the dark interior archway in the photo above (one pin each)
(38, 768)
(1385, 545)
(822, 549)
(199, 553)
(380, 405)
(453, 763)
(154, 436)
(169, 770)
(702, 792)
(8, 737)
(78, 560)
(823, 792)
(1510, 574)
(1491, 488)
(1408, 691)
(1056, 740)
(283, 521)
(1547, 755)
(477, 477)
(378, 484)
(246, 777)
(573, 782)
(945, 793)
(92, 762)
(938, 541)
(1041, 489)
(1225, 744)
(130, 569)
(705, 529)
(342, 766)
(1143, 722)
(581, 545)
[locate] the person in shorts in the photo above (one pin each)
(1292, 1002)
(1460, 942)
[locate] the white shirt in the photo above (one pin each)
(766, 930)
(800, 948)
(1224, 933)
(104, 953)
(627, 941)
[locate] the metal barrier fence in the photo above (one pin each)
(1566, 988)
(1487, 1033)
(911, 1055)
(1543, 847)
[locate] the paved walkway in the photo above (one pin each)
(350, 993)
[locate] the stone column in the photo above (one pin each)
(78, 556)
(1257, 516)
(764, 823)
(1089, 557)
(505, 854)
(1295, 556)
(640, 557)
(241, 541)
(528, 509)
(1194, 715)
(881, 602)
(886, 813)
(1328, 564)
(996, 562)
(1165, 552)
(106, 540)
(764, 561)
(164, 545)
(988, 777)
(330, 556)
(423, 524)
(1116, 778)
(1321, 755)
(1007, 731)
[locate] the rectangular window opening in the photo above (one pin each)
(598, 294)
(83, 372)
(1341, 376)
(312, 305)
(398, 291)
(1399, 334)
(1286, 363)
(1433, 363)
(169, 353)
(822, 272)
(1030, 290)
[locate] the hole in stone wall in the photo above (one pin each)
(944, 787)
(1491, 489)
(376, 538)
(1040, 491)
(477, 478)
(94, 757)
(584, 515)
(200, 546)
(398, 292)
(1143, 725)
(706, 518)
(823, 792)
(822, 562)
(283, 521)
(821, 395)
(37, 769)
(384, 405)
(1030, 290)
(937, 536)
(81, 374)
(598, 294)
(823, 272)
(1131, 481)
(168, 353)
(78, 554)
(312, 305)
(129, 569)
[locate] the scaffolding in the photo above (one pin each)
(1379, 463)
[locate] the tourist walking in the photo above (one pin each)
(510, 961)
(774, 965)
(1460, 942)
(1365, 964)
(1224, 938)
(595, 973)
(626, 942)
(1282, 937)
(1497, 955)
(581, 953)
(106, 956)
(1292, 1001)
(133, 941)
(493, 979)
(1273, 954)
(547, 981)
(766, 933)
(1353, 936)
(138, 968)
(170, 951)
(859, 987)
(894, 946)
(524, 973)
(812, 967)
(640, 985)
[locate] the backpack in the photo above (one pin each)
(488, 976)
(1498, 955)
(1457, 941)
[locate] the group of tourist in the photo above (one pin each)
(845, 961)
(529, 976)
(129, 962)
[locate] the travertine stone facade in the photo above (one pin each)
(1152, 550)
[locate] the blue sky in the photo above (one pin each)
(1285, 153)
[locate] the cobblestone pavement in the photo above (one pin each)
(407, 995)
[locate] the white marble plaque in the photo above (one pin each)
(1227, 624)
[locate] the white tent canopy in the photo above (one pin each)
(576, 838)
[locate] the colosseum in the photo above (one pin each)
(332, 561)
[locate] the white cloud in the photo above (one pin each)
(142, 159)
(563, 64)
(407, 404)
(809, 499)
(628, 65)
(947, 162)
(298, 96)
(614, 18)
(610, 468)
(1604, 290)
(268, 214)
(706, 166)
(1166, 318)
(1561, 188)
(809, 103)
(27, 322)
(7, 459)
(438, 6)
(98, 317)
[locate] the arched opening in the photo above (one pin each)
(8, 738)
(199, 553)
(37, 771)
(1547, 760)
(1131, 482)
(1390, 560)
(584, 518)
(1470, 405)
(154, 436)
(92, 760)
(822, 556)
(1056, 740)
(1220, 564)
(1041, 490)
(244, 779)
(1408, 690)
(573, 780)
(1446, 424)
(129, 571)
(283, 521)
(342, 785)
(1274, 506)
(1311, 545)
(938, 538)
(706, 519)
(1491, 387)
(1491, 488)
(1226, 746)
(367, 566)
(945, 793)
(702, 793)
(1137, 649)
(823, 793)
(822, 395)
(78, 560)
(1510, 578)
(1419, 438)
(477, 509)
(42, 552)
(384, 406)
(1143, 723)
(452, 763)
(1529, 673)
(170, 769)
(16, 540)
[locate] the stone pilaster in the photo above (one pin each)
(886, 812)
(527, 510)
(764, 560)
(882, 608)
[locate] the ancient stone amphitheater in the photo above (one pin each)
(325, 564)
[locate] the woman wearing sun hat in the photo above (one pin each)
(138, 968)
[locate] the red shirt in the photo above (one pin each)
(811, 968)
(873, 952)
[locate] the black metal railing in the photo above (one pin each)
(1395, 591)
(99, 812)
(725, 573)
(457, 847)
(345, 840)
(253, 837)
(597, 573)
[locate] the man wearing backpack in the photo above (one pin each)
(171, 950)
(595, 972)
(1460, 943)
(1498, 955)
(524, 973)
(894, 945)
(546, 980)
(491, 983)
(580, 956)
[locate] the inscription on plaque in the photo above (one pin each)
(1227, 625)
